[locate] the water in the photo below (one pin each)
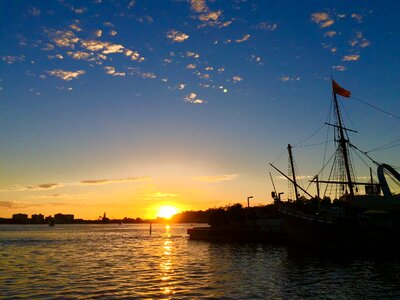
(125, 262)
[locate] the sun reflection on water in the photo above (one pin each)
(166, 265)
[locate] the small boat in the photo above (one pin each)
(52, 223)
(369, 219)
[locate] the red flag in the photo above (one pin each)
(338, 90)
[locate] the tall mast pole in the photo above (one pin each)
(343, 146)
(289, 147)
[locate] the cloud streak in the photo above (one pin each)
(216, 178)
(86, 182)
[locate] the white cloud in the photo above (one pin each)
(66, 75)
(79, 55)
(191, 66)
(210, 16)
(111, 71)
(66, 39)
(192, 98)
(199, 5)
(322, 19)
(237, 78)
(105, 47)
(177, 36)
(75, 27)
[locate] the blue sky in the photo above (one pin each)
(123, 106)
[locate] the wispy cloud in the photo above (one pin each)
(66, 75)
(286, 78)
(75, 27)
(111, 71)
(10, 59)
(359, 40)
(79, 55)
(191, 66)
(104, 47)
(267, 26)
(87, 182)
(243, 39)
(160, 195)
(330, 33)
(339, 68)
(33, 11)
(357, 17)
(131, 4)
(65, 39)
(112, 181)
(354, 57)
(37, 187)
(322, 19)
(192, 98)
(177, 36)
(199, 6)
(216, 178)
(237, 78)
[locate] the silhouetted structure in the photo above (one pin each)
(20, 218)
(37, 219)
(63, 219)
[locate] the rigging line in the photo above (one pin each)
(279, 156)
(317, 144)
(362, 159)
(387, 144)
(329, 160)
(365, 153)
(347, 117)
(306, 139)
(377, 108)
(384, 148)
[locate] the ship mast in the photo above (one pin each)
(289, 147)
(343, 144)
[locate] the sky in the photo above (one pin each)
(124, 106)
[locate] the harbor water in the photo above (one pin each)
(127, 262)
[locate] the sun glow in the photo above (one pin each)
(167, 211)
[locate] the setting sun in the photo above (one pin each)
(167, 212)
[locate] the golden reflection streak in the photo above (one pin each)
(166, 264)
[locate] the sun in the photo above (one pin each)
(167, 211)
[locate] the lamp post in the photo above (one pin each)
(248, 201)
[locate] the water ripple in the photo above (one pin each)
(126, 262)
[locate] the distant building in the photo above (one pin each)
(63, 218)
(20, 218)
(37, 218)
